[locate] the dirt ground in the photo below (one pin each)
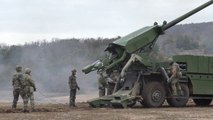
(85, 112)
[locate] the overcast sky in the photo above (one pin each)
(32, 20)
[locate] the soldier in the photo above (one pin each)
(17, 77)
(174, 79)
(28, 89)
(111, 82)
(101, 83)
(73, 86)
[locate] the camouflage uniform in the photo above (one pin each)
(101, 84)
(111, 82)
(73, 88)
(17, 77)
(174, 79)
(28, 89)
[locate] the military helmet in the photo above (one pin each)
(170, 61)
(27, 70)
(74, 70)
(18, 68)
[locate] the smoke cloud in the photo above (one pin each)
(52, 63)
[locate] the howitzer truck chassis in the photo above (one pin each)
(154, 87)
(148, 82)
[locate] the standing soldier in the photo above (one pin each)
(174, 79)
(28, 89)
(111, 82)
(73, 86)
(17, 77)
(101, 83)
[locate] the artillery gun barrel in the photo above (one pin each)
(174, 22)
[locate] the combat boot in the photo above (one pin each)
(74, 105)
(13, 110)
(25, 111)
(70, 105)
(13, 107)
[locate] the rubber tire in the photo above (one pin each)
(180, 102)
(152, 91)
(202, 102)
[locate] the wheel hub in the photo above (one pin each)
(156, 96)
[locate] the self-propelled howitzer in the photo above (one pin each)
(140, 40)
(149, 83)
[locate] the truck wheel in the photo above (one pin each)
(202, 102)
(154, 94)
(180, 101)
